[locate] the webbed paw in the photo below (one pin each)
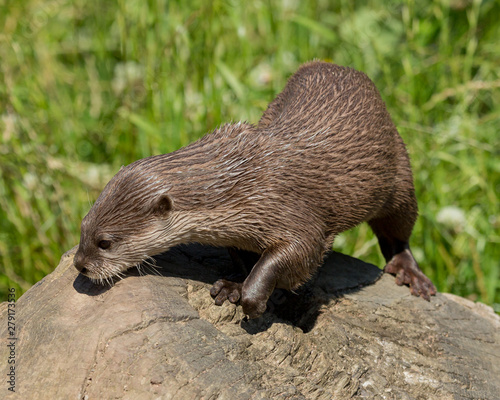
(223, 290)
(406, 270)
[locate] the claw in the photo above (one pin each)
(223, 290)
(407, 272)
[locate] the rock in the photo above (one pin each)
(349, 333)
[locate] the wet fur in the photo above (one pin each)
(324, 157)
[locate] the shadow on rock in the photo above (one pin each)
(83, 284)
(339, 274)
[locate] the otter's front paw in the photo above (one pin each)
(223, 290)
(252, 307)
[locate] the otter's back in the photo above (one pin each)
(331, 135)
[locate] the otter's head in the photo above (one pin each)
(128, 224)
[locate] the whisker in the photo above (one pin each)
(150, 264)
(153, 270)
(120, 275)
(139, 269)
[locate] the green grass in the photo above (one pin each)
(88, 86)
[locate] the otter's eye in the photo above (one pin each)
(104, 244)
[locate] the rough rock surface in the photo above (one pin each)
(350, 333)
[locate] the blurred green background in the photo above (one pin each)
(87, 86)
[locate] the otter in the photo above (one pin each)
(324, 157)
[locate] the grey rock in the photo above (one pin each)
(349, 333)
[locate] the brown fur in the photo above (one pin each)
(324, 157)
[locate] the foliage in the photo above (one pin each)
(87, 86)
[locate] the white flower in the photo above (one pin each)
(452, 217)
(290, 5)
(262, 74)
(339, 242)
(126, 75)
(9, 121)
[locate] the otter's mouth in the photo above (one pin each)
(102, 273)
(109, 273)
(102, 278)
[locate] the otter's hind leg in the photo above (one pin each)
(393, 233)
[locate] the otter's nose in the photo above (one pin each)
(79, 263)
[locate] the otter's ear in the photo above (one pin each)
(163, 204)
